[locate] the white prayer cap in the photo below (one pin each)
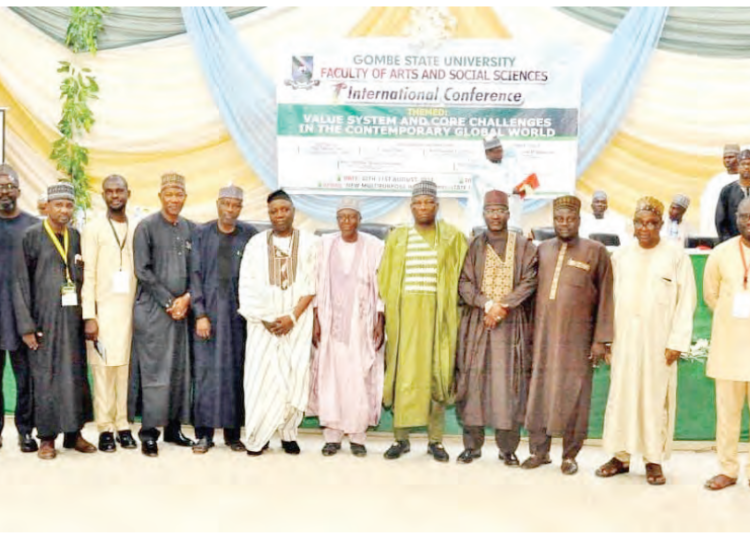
(491, 142)
(348, 203)
(599, 194)
(681, 200)
(731, 148)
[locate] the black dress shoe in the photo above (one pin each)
(178, 438)
(329, 449)
(469, 455)
(534, 461)
(236, 445)
(396, 450)
(107, 442)
(290, 447)
(27, 443)
(126, 439)
(149, 448)
(509, 458)
(259, 452)
(360, 451)
(202, 446)
(438, 452)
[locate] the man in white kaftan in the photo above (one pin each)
(655, 296)
(277, 285)
(710, 196)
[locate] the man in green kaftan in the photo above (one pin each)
(418, 281)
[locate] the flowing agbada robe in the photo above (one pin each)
(160, 380)
(574, 309)
(427, 326)
(493, 367)
(654, 302)
(277, 369)
(62, 397)
(214, 290)
(346, 386)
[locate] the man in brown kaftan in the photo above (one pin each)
(493, 363)
(573, 323)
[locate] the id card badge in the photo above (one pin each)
(741, 305)
(69, 296)
(121, 282)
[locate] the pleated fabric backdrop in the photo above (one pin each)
(156, 111)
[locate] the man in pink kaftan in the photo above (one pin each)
(347, 370)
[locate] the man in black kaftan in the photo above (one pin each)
(219, 342)
(160, 379)
(47, 303)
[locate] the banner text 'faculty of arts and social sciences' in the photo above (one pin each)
(374, 116)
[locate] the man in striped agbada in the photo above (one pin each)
(277, 285)
(418, 281)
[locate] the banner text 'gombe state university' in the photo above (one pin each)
(374, 116)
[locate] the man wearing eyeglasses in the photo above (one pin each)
(655, 297)
(13, 223)
(497, 284)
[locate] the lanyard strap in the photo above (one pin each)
(62, 250)
(121, 245)
(744, 263)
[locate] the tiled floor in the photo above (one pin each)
(223, 490)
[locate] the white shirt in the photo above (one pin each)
(609, 224)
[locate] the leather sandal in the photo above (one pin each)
(654, 474)
(719, 482)
(612, 467)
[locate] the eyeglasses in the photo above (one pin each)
(743, 217)
(650, 225)
(8, 187)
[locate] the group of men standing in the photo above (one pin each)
(231, 327)
(538, 320)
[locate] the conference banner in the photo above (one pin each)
(372, 116)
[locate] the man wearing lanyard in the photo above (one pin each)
(108, 295)
(727, 294)
(46, 298)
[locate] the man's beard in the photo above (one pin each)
(7, 205)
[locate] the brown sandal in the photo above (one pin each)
(720, 482)
(611, 468)
(654, 475)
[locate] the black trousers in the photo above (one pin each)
(540, 442)
(507, 440)
(153, 433)
(230, 434)
(24, 396)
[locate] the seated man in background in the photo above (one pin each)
(677, 229)
(601, 221)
